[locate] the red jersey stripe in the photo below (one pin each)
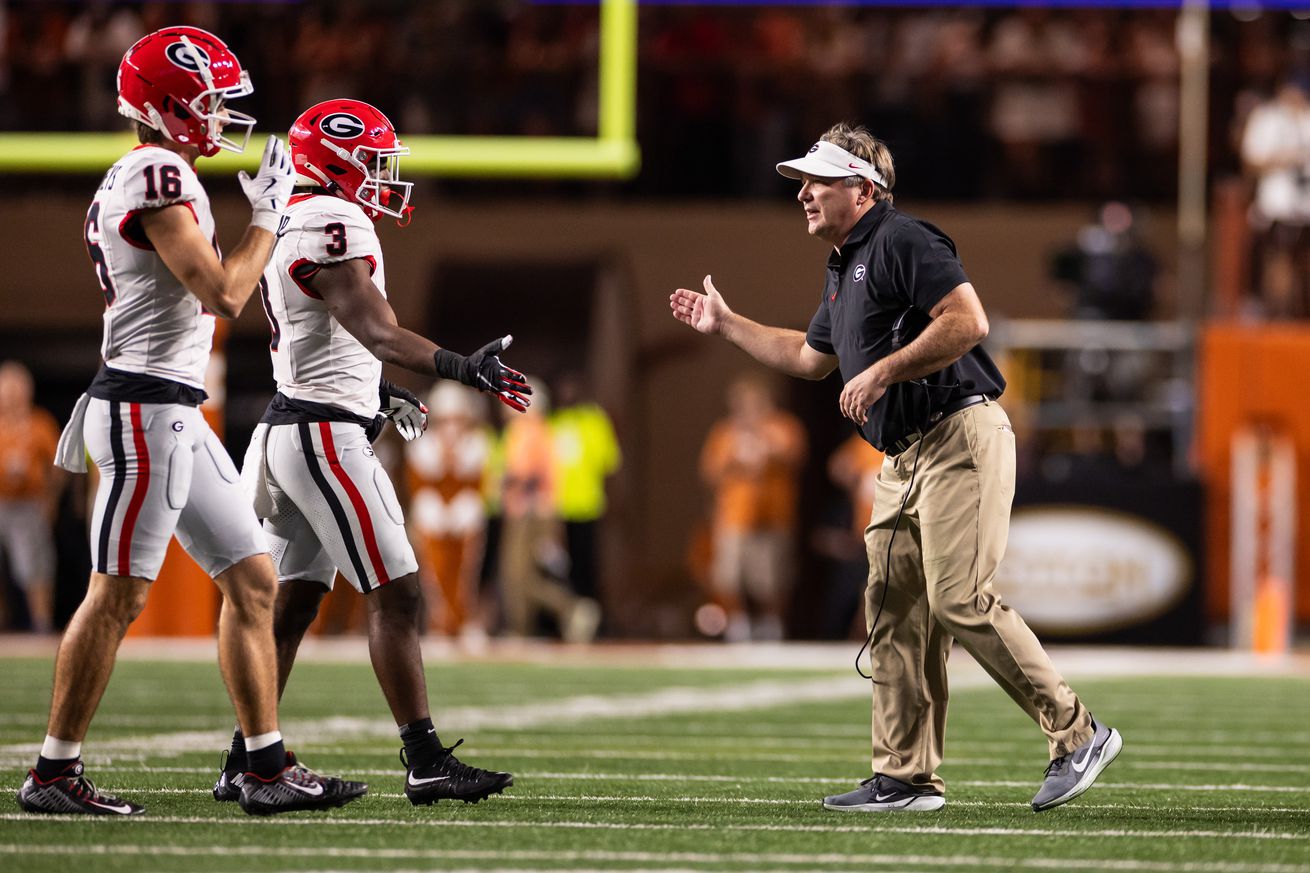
(356, 500)
(138, 492)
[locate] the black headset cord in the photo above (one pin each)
(909, 488)
(887, 575)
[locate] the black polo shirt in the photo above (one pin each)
(889, 263)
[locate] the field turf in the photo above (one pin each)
(623, 765)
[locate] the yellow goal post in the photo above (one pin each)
(612, 154)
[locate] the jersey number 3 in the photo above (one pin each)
(336, 245)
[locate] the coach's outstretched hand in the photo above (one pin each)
(484, 371)
(270, 189)
(706, 312)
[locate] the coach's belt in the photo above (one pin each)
(933, 420)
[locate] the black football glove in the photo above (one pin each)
(405, 410)
(484, 371)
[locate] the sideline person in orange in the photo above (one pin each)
(752, 459)
(533, 561)
(853, 467)
(29, 489)
(448, 519)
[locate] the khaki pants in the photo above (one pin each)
(754, 564)
(525, 589)
(952, 537)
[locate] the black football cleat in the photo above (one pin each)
(294, 788)
(451, 779)
(227, 789)
(71, 793)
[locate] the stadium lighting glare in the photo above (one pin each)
(612, 154)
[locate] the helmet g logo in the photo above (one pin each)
(187, 55)
(341, 125)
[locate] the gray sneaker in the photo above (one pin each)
(881, 793)
(1070, 775)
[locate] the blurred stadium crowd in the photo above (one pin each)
(1016, 103)
(1003, 105)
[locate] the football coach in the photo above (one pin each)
(901, 320)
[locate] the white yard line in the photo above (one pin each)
(761, 694)
(585, 776)
(759, 801)
(599, 856)
(864, 827)
(1075, 662)
(853, 752)
(757, 694)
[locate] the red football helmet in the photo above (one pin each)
(351, 149)
(176, 80)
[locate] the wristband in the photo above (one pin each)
(265, 218)
(450, 365)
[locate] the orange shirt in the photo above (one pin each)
(449, 469)
(860, 463)
(445, 471)
(529, 484)
(753, 471)
(27, 455)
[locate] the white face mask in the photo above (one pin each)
(209, 106)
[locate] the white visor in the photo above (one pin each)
(828, 161)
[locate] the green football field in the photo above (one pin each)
(621, 764)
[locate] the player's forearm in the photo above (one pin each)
(392, 344)
(776, 347)
(242, 269)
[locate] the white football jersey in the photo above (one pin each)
(314, 357)
(153, 324)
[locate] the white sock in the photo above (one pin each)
(262, 741)
(55, 749)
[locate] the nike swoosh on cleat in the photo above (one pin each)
(305, 789)
(417, 782)
(883, 798)
(124, 809)
(1080, 767)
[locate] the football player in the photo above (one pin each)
(150, 236)
(327, 502)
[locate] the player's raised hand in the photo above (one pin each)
(270, 189)
(705, 312)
